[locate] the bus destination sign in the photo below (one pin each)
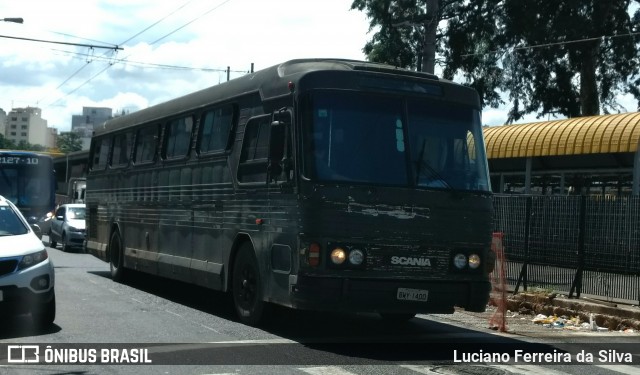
(15, 160)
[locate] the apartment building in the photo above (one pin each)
(3, 121)
(27, 125)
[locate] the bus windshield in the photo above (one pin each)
(390, 140)
(25, 186)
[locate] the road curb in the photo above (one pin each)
(611, 316)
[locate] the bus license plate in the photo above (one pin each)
(407, 294)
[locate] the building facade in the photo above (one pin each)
(83, 124)
(3, 121)
(27, 125)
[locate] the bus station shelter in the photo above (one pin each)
(595, 155)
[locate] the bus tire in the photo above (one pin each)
(397, 318)
(116, 257)
(246, 286)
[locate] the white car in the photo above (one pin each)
(26, 273)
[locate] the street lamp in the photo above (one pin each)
(14, 20)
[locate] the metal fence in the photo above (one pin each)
(572, 244)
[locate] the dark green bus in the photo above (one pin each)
(318, 184)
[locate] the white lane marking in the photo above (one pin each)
(331, 370)
(113, 291)
(137, 300)
(623, 369)
(527, 369)
(264, 341)
(172, 313)
(419, 369)
(210, 329)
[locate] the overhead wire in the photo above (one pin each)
(104, 55)
(154, 42)
(190, 22)
(147, 64)
(550, 44)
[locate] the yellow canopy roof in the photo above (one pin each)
(580, 135)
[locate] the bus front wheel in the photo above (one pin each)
(116, 257)
(247, 287)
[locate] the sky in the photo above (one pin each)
(168, 49)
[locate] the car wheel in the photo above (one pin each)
(52, 243)
(247, 286)
(397, 318)
(45, 314)
(116, 257)
(65, 245)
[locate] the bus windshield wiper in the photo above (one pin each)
(423, 168)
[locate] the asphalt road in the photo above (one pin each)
(190, 330)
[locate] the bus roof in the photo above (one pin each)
(270, 83)
(28, 153)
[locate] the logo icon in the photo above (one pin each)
(23, 354)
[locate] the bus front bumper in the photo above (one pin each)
(385, 296)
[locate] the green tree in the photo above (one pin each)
(406, 32)
(69, 142)
(23, 145)
(571, 58)
(6, 143)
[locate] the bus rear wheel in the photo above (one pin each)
(116, 257)
(247, 287)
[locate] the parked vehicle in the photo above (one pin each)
(68, 227)
(26, 272)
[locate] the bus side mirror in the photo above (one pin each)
(279, 160)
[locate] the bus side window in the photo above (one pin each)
(215, 130)
(122, 145)
(255, 150)
(178, 138)
(146, 143)
(100, 156)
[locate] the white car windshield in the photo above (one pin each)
(10, 223)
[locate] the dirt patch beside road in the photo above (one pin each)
(557, 311)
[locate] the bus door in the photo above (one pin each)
(282, 202)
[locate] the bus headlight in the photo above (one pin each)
(460, 261)
(338, 255)
(356, 257)
(474, 261)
